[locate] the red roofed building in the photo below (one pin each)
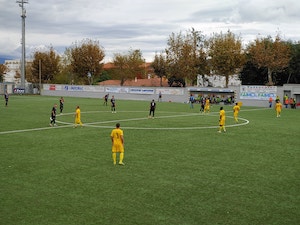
(150, 81)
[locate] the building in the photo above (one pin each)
(13, 74)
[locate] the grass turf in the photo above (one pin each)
(178, 170)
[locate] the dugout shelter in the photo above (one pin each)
(216, 95)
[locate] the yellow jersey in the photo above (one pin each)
(222, 117)
(278, 106)
(236, 109)
(117, 139)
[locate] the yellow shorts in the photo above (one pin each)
(117, 148)
(78, 121)
(222, 123)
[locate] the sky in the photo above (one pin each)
(123, 25)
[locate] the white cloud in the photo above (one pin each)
(146, 25)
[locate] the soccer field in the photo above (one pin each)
(178, 170)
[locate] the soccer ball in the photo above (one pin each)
(50, 118)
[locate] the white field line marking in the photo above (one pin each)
(33, 129)
(134, 119)
(93, 124)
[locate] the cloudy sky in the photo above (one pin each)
(121, 25)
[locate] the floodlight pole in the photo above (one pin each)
(23, 16)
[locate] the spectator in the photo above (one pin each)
(192, 100)
(270, 102)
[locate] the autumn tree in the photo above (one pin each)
(159, 66)
(203, 63)
(46, 63)
(136, 63)
(226, 54)
(185, 56)
(273, 55)
(85, 60)
(294, 64)
(173, 56)
(3, 70)
(66, 75)
(28, 72)
(121, 67)
(17, 77)
(128, 66)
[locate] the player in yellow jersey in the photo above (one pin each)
(236, 110)
(222, 120)
(278, 107)
(77, 117)
(117, 139)
(207, 106)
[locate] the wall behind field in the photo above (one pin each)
(125, 93)
(248, 95)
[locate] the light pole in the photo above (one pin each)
(23, 16)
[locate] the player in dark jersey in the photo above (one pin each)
(202, 102)
(53, 116)
(6, 98)
(61, 104)
(152, 109)
(113, 104)
(105, 99)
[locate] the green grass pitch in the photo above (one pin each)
(178, 170)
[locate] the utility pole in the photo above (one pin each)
(23, 16)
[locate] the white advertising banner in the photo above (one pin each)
(147, 91)
(168, 91)
(116, 90)
(79, 88)
(83, 88)
(258, 92)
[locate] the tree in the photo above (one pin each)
(226, 54)
(66, 75)
(176, 82)
(159, 66)
(185, 56)
(294, 64)
(251, 75)
(273, 55)
(203, 63)
(3, 70)
(17, 77)
(136, 63)
(120, 62)
(104, 76)
(128, 66)
(47, 63)
(173, 55)
(85, 60)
